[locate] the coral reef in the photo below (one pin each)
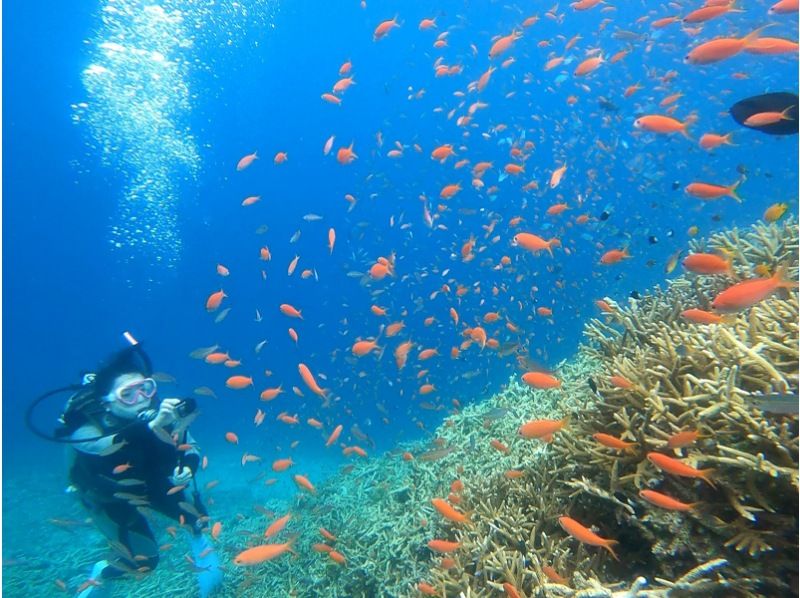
(719, 384)
(720, 396)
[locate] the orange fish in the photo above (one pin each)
(499, 446)
(711, 141)
(709, 191)
(309, 380)
(271, 393)
(304, 483)
(535, 243)
(656, 123)
(587, 66)
(216, 530)
(540, 380)
(503, 44)
(666, 502)
(246, 161)
(543, 429)
(239, 382)
(585, 535)
(621, 382)
(553, 575)
(557, 175)
(443, 546)
(614, 255)
(707, 263)
(749, 292)
(684, 438)
(280, 157)
(277, 526)
(282, 464)
(425, 24)
(720, 48)
(613, 442)
(342, 85)
(449, 191)
(260, 554)
(121, 468)
(346, 155)
(442, 152)
(447, 511)
(679, 468)
(337, 557)
(334, 435)
(331, 240)
(231, 437)
(214, 301)
(332, 99)
(290, 311)
(216, 358)
(383, 29)
(762, 119)
(698, 316)
(361, 348)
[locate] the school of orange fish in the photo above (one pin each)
(523, 233)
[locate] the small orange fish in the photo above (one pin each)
(656, 123)
(246, 161)
(614, 256)
(239, 382)
(383, 29)
(684, 438)
(443, 546)
(277, 526)
(291, 311)
(535, 243)
(281, 464)
(447, 511)
(613, 442)
(707, 263)
(710, 191)
(750, 292)
(215, 300)
(303, 482)
(543, 429)
(666, 502)
(679, 468)
(585, 535)
(540, 380)
(260, 554)
(346, 155)
(334, 435)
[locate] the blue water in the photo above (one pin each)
(255, 84)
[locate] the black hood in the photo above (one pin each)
(129, 360)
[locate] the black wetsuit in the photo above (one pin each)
(114, 503)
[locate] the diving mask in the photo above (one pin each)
(133, 392)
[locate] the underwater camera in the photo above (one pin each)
(186, 407)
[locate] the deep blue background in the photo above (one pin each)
(68, 295)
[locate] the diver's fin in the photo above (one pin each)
(206, 560)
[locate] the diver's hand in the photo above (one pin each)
(181, 476)
(166, 413)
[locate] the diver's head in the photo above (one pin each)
(124, 384)
(130, 394)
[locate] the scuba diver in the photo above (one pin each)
(128, 452)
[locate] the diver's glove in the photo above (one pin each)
(166, 413)
(181, 476)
